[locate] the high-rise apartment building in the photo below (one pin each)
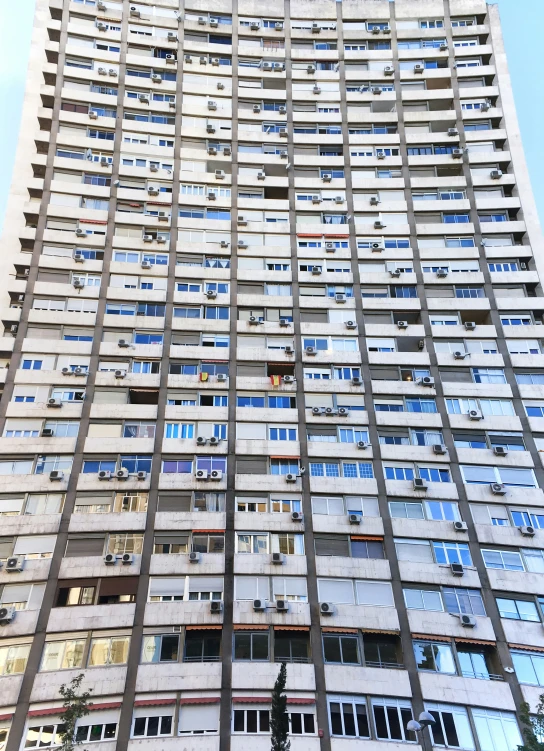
(272, 295)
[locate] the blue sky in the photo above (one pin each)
(522, 22)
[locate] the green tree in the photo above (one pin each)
(532, 726)
(75, 705)
(279, 719)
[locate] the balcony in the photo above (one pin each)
(190, 612)
(89, 617)
(200, 676)
(471, 692)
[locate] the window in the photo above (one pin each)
(44, 736)
(97, 732)
(496, 730)
(251, 721)
(160, 648)
(111, 650)
(153, 726)
(434, 656)
(63, 655)
(341, 648)
(13, 659)
(390, 718)
(251, 646)
(519, 610)
(451, 727)
(348, 716)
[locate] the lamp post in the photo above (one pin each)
(424, 720)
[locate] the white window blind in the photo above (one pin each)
(199, 718)
(336, 590)
(34, 544)
(167, 586)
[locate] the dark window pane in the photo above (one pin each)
(251, 715)
(166, 725)
(349, 720)
(331, 646)
(379, 721)
(362, 720)
(153, 726)
(139, 726)
(296, 723)
(169, 648)
(394, 723)
(239, 720)
(350, 652)
(260, 646)
(264, 720)
(242, 647)
(336, 719)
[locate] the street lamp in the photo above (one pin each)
(424, 720)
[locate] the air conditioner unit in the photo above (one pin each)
(278, 67)
(457, 153)
(156, 78)
(66, 371)
(376, 89)
(56, 475)
(439, 448)
(121, 474)
(375, 29)
(340, 297)
(171, 59)
(221, 377)
(253, 321)
(256, 108)
(202, 474)
(283, 132)
(212, 151)
(101, 26)
(81, 232)
(254, 26)
(419, 484)
(310, 351)
(460, 526)
(310, 68)
(288, 379)
(499, 451)
(282, 606)
(212, 195)
(495, 174)
(470, 325)
(442, 272)
(357, 381)
(377, 246)
(330, 411)
(201, 440)
(389, 70)
(290, 477)
(378, 224)
(102, 72)
(224, 244)
(123, 343)
(261, 175)
(110, 559)
(216, 474)
(194, 557)
(330, 247)
(104, 474)
(152, 190)
(278, 26)
(443, 47)
(427, 381)
(266, 66)
(227, 151)
(54, 402)
(459, 355)
(145, 264)
(326, 608)
(453, 132)
(161, 239)
(215, 61)
(79, 371)
(468, 621)
(203, 60)
(527, 531)
(498, 488)
(7, 614)
(457, 569)
(277, 558)
(316, 270)
(100, 5)
(386, 29)
(172, 37)
(78, 256)
(15, 565)
(288, 350)
(127, 559)
(284, 323)
(141, 475)
(216, 606)
(374, 200)
(326, 177)
(343, 411)
(282, 110)
(316, 89)
(361, 444)
(316, 28)
(13, 329)
(211, 294)
(351, 325)
(318, 410)
(214, 441)
(296, 516)
(242, 244)
(47, 433)
(214, 23)
(475, 414)
(143, 98)
(395, 272)
(241, 221)
(259, 605)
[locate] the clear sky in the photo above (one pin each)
(522, 23)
